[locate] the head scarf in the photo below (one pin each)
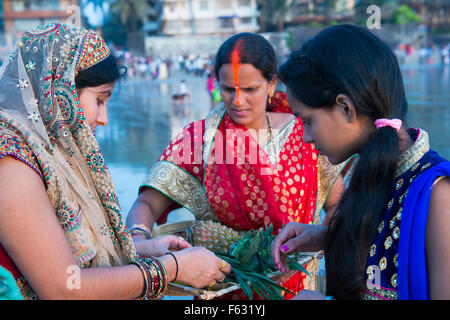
(39, 104)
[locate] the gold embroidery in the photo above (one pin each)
(382, 264)
(402, 197)
(396, 233)
(399, 214)
(392, 223)
(380, 227)
(390, 203)
(396, 260)
(410, 157)
(394, 280)
(373, 248)
(388, 242)
(326, 176)
(180, 187)
(374, 293)
(413, 168)
(399, 184)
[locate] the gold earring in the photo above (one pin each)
(270, 97)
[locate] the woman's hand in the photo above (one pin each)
(158, 246)
(297, 237)
(199, 267)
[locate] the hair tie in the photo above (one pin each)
(394, 123)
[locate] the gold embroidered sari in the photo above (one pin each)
(43, 125)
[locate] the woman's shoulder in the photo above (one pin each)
(12, 145)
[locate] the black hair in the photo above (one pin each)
(106, 71)
(351, 60)
(253, 49)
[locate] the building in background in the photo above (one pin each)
(154, 18)
(320, 11)
(22, 15)
(209, 17)
(199, 26)
(433, 13)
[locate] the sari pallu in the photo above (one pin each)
(215, 169)
(238, 184)
(256, 189)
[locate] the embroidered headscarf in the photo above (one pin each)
(40, 113)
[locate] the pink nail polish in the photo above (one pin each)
(284, 248)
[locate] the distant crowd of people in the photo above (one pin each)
(430, 54)
(160, 68)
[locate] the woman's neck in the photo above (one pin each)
(260, 124)
(405, 141)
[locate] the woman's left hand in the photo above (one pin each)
(159, 246)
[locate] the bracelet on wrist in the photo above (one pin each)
(176, 264)
(145, 275)
(142, 230)
(155, 278)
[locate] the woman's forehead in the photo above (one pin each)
(246, 73)
(102, 89)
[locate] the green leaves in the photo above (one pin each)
(251, 261)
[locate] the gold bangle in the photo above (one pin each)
(144, 271)
(141, 229)
(159, 277)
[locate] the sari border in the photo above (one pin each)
(282, 132)
(181, 187)
(20, 158)
(212, 122)
(339, 168)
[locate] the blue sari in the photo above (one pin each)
(396, 265)
(412, 267)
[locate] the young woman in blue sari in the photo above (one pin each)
(388, 238)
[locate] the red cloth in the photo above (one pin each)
(250, 191)
(278, 103)
(7, 263)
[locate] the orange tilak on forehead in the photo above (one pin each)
(235, 61)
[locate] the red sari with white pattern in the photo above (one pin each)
(245, 189)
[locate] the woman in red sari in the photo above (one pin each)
(243, 166)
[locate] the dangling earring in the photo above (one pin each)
(270, 96)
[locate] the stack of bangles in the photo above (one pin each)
(142, 230)
(155, 277)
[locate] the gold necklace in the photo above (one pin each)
(271, 139)
(270, 127)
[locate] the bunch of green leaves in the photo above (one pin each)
(251, 261)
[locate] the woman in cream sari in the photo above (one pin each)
(62, 234)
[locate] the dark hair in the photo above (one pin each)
(104, 72)
(253, 49)
(351, 60)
